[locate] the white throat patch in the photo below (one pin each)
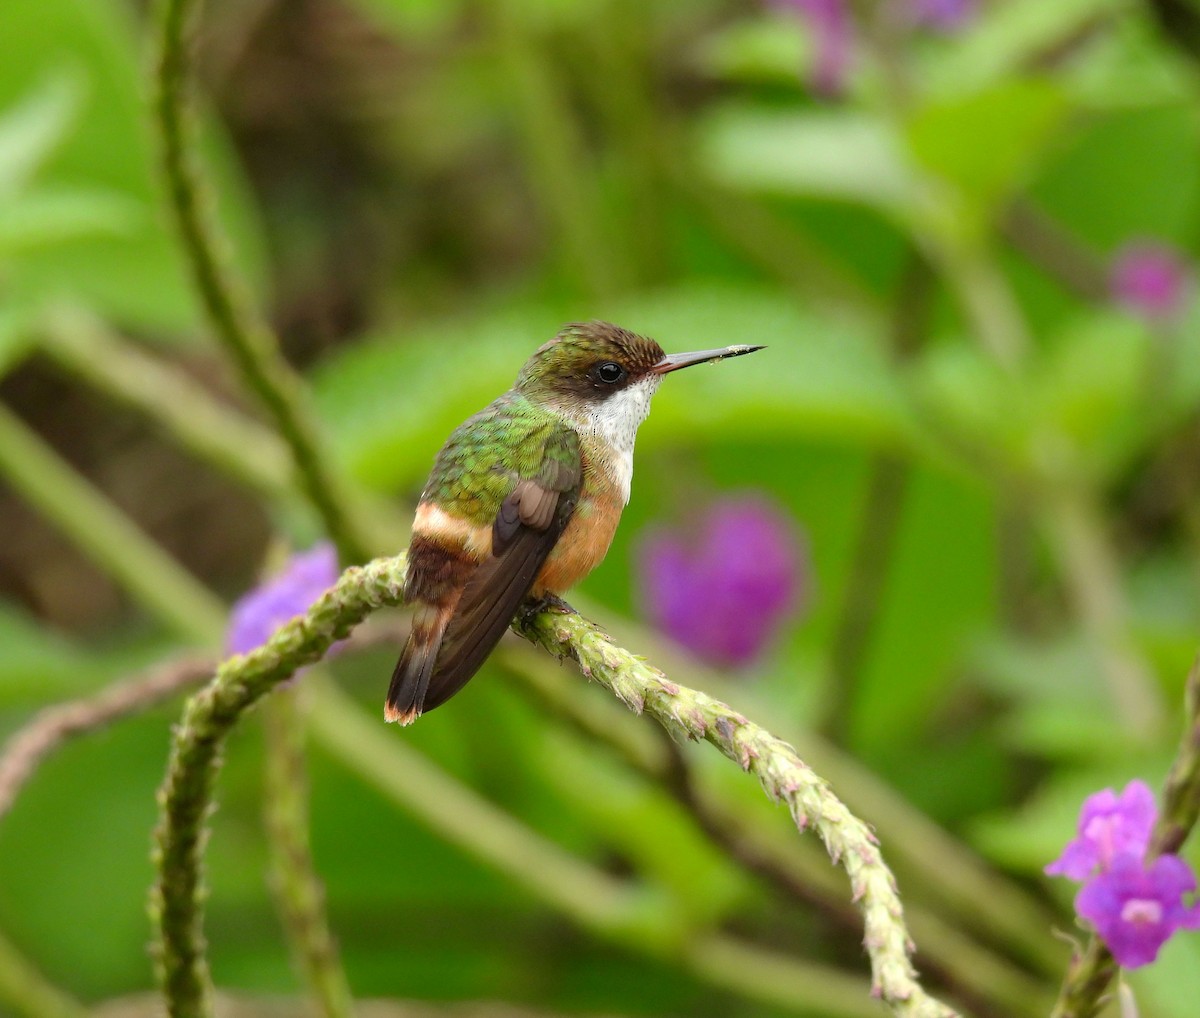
(613, 423)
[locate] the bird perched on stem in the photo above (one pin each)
(524, 498)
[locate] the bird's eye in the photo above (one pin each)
(609, 373)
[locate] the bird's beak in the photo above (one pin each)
(675, 361)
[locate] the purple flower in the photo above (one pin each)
(832, 37)
(723, 593)
(288, 593)
(1133, 905)
(1135, 908)
(943, 15)
(1109, 825)
(1149, 278)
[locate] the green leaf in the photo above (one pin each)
(47, 217)
(1131, 174)
(32, 128)
(137, 275)
(841, 155)
(938, 592)
(984, 144)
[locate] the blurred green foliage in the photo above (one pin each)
(420, 193)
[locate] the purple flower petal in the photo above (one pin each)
(291, 592)
(724, 594)
(1135, 908)
(1109, 825)
(1150, 278)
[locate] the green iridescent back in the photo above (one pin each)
(480, 463)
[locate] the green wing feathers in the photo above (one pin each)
(451, 640)
(484, 458)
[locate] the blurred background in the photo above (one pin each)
(942, 534)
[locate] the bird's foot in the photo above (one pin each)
(545, 603)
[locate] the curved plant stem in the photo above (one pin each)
(947, 870)
(690, 714)
(110, 539)
(245, 336)
(975, 973)
(54, 725)
(633, 915)
(187, 792)
(1092, 970)
(25, 991)
(300, 896)
(209, 716)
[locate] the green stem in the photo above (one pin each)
(298, 890)
(945, 868)
(247, 339)
(946, 871)
(110, 539)
(187, 792)
(560, 166)
(613, 908)
(783, 775)
(26, 992)
(209, 717)
(1055, 249)
(208, 428)
(1181, 796)
(802, 875)
(106, 534)
(1093, 580)
(993, 985)
(987, 302)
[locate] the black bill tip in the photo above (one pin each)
(675, 361)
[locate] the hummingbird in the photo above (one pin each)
(524, 499)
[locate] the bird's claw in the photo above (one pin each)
(546, 603)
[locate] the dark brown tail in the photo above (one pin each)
(410, 681)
